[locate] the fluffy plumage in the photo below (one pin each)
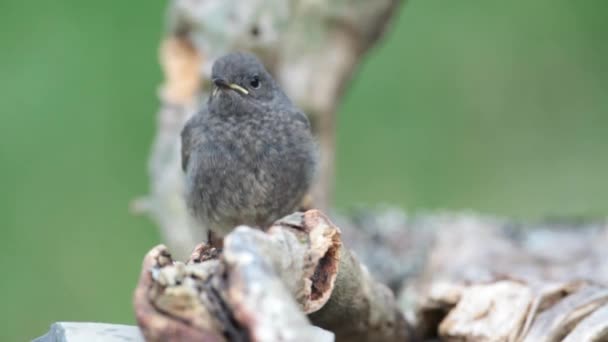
(248, 155)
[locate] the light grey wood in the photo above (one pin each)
(91, 332)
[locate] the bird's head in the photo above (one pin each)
(240, 79)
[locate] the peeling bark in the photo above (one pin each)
(260, 286)
(482, 279)
(486, 279)
(154, 309)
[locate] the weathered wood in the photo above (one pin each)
(477, 313)
(491, 280)
(181, 318)
(593, 328)
(476, 279)
(557, 321)
(91, 332)
(260, 286)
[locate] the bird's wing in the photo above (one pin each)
(300, 116)
(188, 138)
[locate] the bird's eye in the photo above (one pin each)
(255, 82)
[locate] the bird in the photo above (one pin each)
(248, 155)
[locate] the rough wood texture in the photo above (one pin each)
(303, 249)
(311, 47)
(180, 318)
(91, 332)
(260, 286)
(463, 277)
(486, 279)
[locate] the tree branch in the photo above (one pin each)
(261, 285)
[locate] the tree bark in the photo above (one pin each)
(487, 279)
(463, 277)
(261, 285)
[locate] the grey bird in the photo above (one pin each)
(249, 156)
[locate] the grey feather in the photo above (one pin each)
(249, 158)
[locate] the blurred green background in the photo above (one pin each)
(497, 107)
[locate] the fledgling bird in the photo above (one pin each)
(248, 155)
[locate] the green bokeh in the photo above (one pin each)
(498, 107)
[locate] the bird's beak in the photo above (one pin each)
(222, 83)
